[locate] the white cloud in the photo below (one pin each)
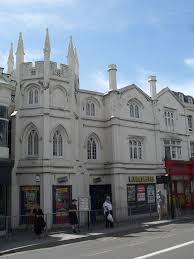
(189, 62)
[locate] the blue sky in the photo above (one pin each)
(142, 37)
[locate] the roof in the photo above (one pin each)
(133, 86)
(5, 80)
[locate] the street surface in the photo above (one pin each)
(174, 241)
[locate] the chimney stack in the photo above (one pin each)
(152, 81)
(112, 69)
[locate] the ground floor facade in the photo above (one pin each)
(132, 191)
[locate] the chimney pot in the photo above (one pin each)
(112, 69)
(152, 81)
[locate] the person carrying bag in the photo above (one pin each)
(107, 206)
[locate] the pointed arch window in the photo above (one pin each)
(32, 143)
(90, 108)
(134, 109)
(36, 96)
(33, 96)
(92, 148)
(131, 110)
(30, 97)
(57, 144)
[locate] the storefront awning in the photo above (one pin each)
(180, 167)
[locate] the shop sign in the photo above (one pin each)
(142, 179)
(83, 204)
(63, 179)
(97, 180)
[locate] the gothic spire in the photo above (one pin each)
(20, 50)
(76, 62)
(47, 46)
(70, 54)
(10, 61)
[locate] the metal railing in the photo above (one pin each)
(87, 219)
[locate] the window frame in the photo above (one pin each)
(33, 96)
(190, 121)
(136, 146)
(175, 149)
(169, 120)
(192, 151)
(57, 144)
(92, 149)
(90, 108)
(134, 110)
(32, 143)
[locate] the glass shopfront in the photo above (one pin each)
(29, 200)
(141, 196)
(61, 202)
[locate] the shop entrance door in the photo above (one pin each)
(98, 195)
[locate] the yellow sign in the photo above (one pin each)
(29, 188)
(142, 179)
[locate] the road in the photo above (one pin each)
(174, 241)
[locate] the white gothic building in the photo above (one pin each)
(74, 143)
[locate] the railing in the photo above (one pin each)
(87, 219)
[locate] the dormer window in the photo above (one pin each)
(181, 97)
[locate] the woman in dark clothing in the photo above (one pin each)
(39, 222)
(73, 220)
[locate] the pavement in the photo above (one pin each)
(23, 242)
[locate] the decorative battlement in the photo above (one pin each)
(29, 70)
(59, 71)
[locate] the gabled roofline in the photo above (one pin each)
(134, 86)
(167, 89)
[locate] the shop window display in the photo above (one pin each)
(61, 202)
(141, 198)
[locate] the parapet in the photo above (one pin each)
(28, 70)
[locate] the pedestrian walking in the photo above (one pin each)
(178, 207)
(107, 207)
(39, 222)
(160, 204)
(73, 216)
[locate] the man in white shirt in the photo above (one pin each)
(107, 206)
